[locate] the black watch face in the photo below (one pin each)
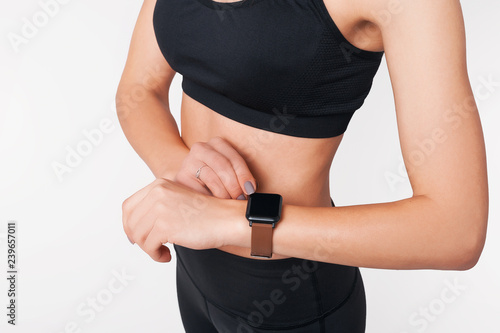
(264, 207)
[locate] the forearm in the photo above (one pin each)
(414, 233)
(152, 132)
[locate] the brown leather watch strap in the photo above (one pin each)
(262, 240)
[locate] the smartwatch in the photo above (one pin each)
(263, 212)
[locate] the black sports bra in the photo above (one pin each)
(278, 65)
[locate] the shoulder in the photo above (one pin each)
(403, 18)
(387, 14)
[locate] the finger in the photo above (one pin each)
(238, 163)
(201, 154)
(140, 226)
(223, 168)
(186, 179)
(154, 247)
(212, 181)
(143, 204)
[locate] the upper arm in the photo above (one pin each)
(438, 122)
(146, 66)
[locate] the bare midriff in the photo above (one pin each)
(295, 167)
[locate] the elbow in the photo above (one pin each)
(466, 260)
(472, 241)
(128, 97)
(464, 234)
(468, 250)
(122, 106)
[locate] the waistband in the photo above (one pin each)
(298, 291)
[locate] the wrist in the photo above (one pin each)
(232, 224)
(170, 168)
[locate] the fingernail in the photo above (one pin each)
(241, 197)
(130, 241)
(249, 188)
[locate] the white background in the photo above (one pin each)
(71, 243)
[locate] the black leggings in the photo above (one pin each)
(219, 292)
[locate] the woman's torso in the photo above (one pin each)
(295, 167)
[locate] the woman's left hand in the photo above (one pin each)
(168, 212)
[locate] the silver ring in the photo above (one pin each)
(199, 171)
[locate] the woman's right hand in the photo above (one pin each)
(223, 174)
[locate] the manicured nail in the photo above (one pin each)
(241, 197)
(249, 188)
